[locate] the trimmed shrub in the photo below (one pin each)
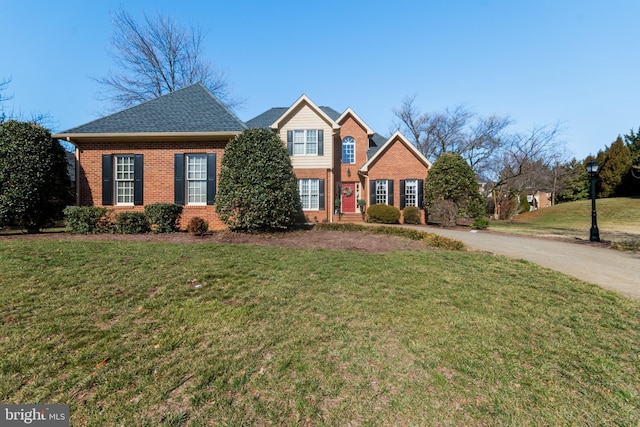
(86, 219)
(451, 178)
(197, 226)
(383, 214)
(443, 212)
(34, 184)
(163, 217)
(411, 215)
(480, 223)
(131, 223)
(258, 190)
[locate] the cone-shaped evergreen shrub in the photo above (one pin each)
(451, 178)
(34, 185)
(258, 190)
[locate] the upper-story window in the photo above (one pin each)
(348, 150)
(305, 142)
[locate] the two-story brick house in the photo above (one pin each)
(340, 157)
(169, 150)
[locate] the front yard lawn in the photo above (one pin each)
(140, 333)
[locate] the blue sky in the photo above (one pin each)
(539, 62)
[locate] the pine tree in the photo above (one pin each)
(615, 167)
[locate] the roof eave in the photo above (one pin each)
(145, 136)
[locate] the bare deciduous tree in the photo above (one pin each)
(458, 130)
(526, 155)
(3, 98)
(155, 57)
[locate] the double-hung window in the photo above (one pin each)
(381, 192)
(305, 142)
(311, 194)
(411, 193)
(196, 179)
(122, 179)
(348, 150)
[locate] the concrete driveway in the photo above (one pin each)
(611, 269)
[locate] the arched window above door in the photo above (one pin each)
(348, 150)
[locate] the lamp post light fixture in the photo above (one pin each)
(592, 170)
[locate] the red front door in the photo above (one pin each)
(348, 197)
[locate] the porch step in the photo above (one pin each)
(349, 217)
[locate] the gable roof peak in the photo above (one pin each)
(304, 99)
(350, 112)
(397, 136)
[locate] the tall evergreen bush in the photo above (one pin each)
(258, 190)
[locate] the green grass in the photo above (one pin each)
(202, 334)
(618, 220)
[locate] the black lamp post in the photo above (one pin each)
(592, 170)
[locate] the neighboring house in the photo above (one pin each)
(539, 199)
(169, 150)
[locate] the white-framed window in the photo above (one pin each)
(411, 192)
(348, 150)
(306, 142)
(382, 193)
(123, 182)
(196, 179)
(309, 193)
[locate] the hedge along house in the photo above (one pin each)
(339, 160)
(169, 150)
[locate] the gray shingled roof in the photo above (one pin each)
(269, 117)
(191, 109)
(375, 142)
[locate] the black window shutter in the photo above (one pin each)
(372, 192)
(178, 179)
(420, 193)
(390, 192)
(403, 197)
(321, 194)
(107, 180)
(138, 185)
(211, 178)
(320, 142)
(290, 142)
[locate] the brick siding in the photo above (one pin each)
(158, 174)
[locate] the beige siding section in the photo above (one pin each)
(307, 118)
